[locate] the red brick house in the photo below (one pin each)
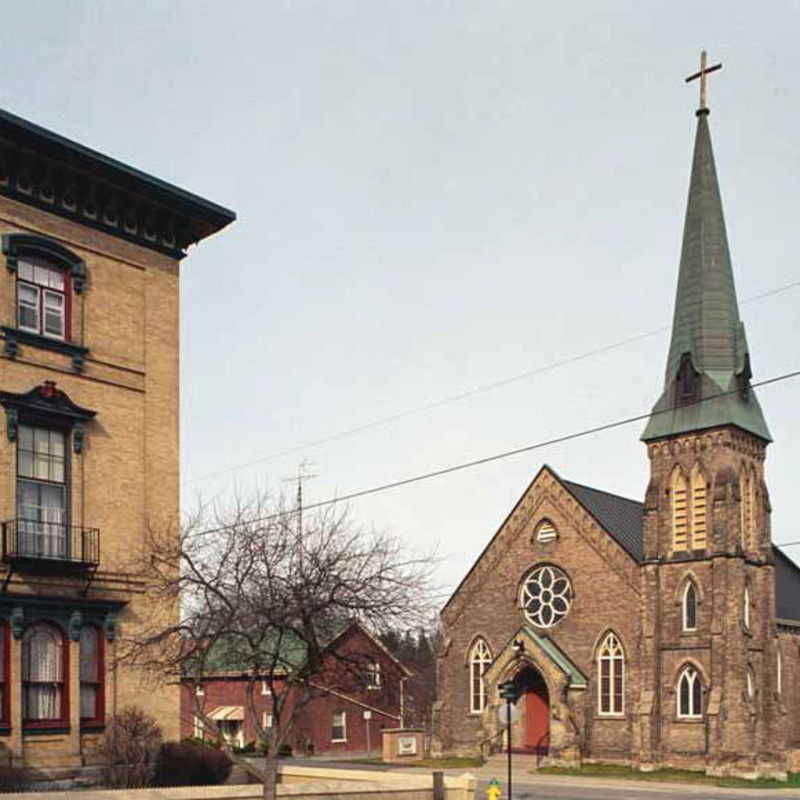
(357, 694)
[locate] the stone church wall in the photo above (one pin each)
(605, 582)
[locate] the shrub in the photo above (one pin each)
(189, 764)
(285, 751)
(130, 748)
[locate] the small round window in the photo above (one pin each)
(546, 596)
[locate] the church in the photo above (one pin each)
(662, 633)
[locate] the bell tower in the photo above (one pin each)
(709, 634)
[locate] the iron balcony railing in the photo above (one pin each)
(50, 543)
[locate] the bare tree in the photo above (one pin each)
(262, 590)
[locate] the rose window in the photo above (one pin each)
(546, 596)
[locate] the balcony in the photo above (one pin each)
(50, 546)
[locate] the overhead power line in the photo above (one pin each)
(500, 456)
(467, 393)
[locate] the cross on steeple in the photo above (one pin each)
(702, 75)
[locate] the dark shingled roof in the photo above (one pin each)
(621, 517)
(787, 591)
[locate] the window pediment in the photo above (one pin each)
(17, 245)
(49, 404)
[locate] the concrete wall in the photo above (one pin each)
(306, 782)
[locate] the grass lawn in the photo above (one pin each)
(671, 775)
(429, 763)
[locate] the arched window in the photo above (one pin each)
(611, 673)
(479, 659)
(680, 512)
(746, 607)
(690, 693)
(44, 700)
(750, 683)
(690, 606)
(91, 675)
(546, 531)
(699, 517)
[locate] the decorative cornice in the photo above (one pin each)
(45, 170)
(14, 337)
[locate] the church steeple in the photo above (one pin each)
(707, 382)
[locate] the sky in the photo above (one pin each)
(434, 198)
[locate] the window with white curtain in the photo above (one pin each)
(41, 492)
(91, 674)
(42, 673)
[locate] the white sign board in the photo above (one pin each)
(407, 746)
(367, 715)
(502, 714)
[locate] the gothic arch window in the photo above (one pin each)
(546, 596)
(44, 697)
(680, 511)
(480, 657)
(699, 509)
(748, 507)
(746, 607)
(689, 606)
(690, 693)
(750, 684)
(611, 675)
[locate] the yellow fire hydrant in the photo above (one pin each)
(493, 790)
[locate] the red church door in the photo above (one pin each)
(537, 710)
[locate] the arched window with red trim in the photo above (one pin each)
(92, 674)
(44, 667)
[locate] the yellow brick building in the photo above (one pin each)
(89, 296)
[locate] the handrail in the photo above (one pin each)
(42, 541)
(542, 745)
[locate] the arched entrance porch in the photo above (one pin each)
(534, 706)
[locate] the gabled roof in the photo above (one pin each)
(619, 516)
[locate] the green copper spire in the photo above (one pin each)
(708, 354)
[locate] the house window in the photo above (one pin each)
(264, 687)
(479, 660)
(42, 297)
(611, 671)
(44, 700)
(374, 675)
(199, 690)
(91, 676)
(231, 731)
(199, 728)
(266, 720)
(339, 727)
(690, 694)
(690, 607)
(41, 493)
